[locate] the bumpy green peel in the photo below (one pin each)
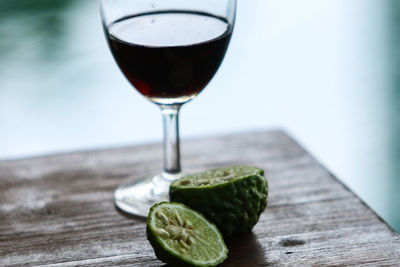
(233, 198)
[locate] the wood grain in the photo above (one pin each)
(58, 210)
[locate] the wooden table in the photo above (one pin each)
(58, 210)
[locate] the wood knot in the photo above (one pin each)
(291, 242)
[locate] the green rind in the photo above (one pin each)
(234, 206)
(166, 255)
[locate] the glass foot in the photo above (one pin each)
(136, 197)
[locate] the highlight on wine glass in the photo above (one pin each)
(169, 50)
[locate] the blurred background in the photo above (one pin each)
(327, 72)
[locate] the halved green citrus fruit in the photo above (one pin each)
(181, 236)
(233, 198)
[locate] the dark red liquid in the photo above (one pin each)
(171, 56)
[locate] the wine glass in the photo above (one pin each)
(168, 50)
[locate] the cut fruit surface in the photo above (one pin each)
(233, 198)
(181, 236)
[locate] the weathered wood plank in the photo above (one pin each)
(58, 210)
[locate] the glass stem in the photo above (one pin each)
(171, 161)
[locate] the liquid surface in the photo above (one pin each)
(168, 29)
